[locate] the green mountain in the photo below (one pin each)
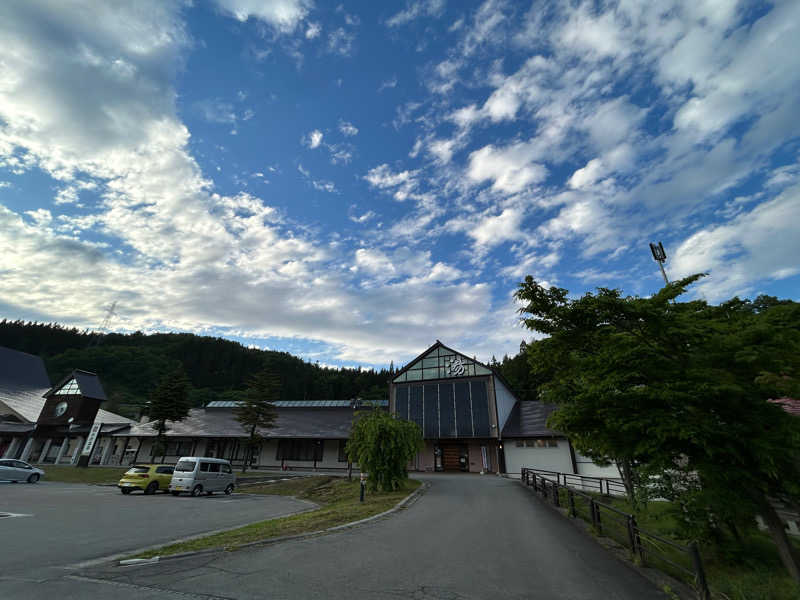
(131, 365)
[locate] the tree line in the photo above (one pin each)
(130, 366)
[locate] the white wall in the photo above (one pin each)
(587, 467)
(549, 459)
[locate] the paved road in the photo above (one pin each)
(468, 537)
(70, 523)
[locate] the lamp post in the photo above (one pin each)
(660, 257)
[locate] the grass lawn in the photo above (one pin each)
(70, 474)
(750, 570)
(339, 504)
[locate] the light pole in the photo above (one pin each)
(660, 257)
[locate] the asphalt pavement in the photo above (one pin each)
(468, 537)
(55, 525)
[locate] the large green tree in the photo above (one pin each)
(383, 445)
(676, 394)
(169, 401)
(256, 409)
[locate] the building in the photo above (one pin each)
(51, 424)
(470, 418)
(472, 421)
(306, 434)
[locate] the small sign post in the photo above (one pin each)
(83, 460)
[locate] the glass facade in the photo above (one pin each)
(446, 409)
(442, 363)
(69, 389)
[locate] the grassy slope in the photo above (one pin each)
(751, 570)
(339, 504)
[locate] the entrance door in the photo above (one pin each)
(455, 457)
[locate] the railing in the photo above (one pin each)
(647, 548)
(600, 485)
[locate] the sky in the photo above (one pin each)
(351, 182)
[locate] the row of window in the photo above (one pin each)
(538, 443)
(308, 450)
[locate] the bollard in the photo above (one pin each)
(363, 485)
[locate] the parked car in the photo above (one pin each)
(197, 475)
(18, 470)
(148, 478)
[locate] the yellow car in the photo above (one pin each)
(148, 478)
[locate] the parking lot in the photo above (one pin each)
(58, 524)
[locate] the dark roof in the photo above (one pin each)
(529, 419)
(320, 423)
(7, 427)
(306, 403)
(88, 383)
(23, 381)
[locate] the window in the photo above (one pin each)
(69, 389)
(539, 443)
(552, 443)
(185, 466)
(213, 467)
(204, 467)
(139, 469)
(520, 444)
(299, 450)
(342, 452)
(165, 470)
(174, 449)
(226, 468)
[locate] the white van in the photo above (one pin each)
(197, 474)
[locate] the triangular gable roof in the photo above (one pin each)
(441, 362)
(23, 380)
(81, 383)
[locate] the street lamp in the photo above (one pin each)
(660, 257)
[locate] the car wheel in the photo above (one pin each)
(209, 493)
(229, 489)
(198, 489)
(33, 478)
(151, 488)
(175, 493)
(125, 491)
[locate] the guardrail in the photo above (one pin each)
(602, 485)
(647, 548)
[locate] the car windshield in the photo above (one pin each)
(138, 469)
(185, 465)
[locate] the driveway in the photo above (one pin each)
(65, 523)
(468, 537)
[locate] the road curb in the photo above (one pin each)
(404, 503)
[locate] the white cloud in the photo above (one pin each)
(511, 168)
(283, 15)
(320, 185)
(416, 9)
(388, 84)
(313, 139)
(313, 31)
(756, 246)
(340, 41)
(402, 182)
(347, 129)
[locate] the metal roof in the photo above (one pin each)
(305, 403)
(333, 423)
(23, 382)
(529, 419)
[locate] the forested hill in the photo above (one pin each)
(131, 365)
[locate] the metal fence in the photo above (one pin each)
(601, 485)
(648, 548)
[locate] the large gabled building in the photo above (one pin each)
(472, 421)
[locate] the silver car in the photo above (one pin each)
(17, 470)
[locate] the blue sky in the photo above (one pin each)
(351, 182)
